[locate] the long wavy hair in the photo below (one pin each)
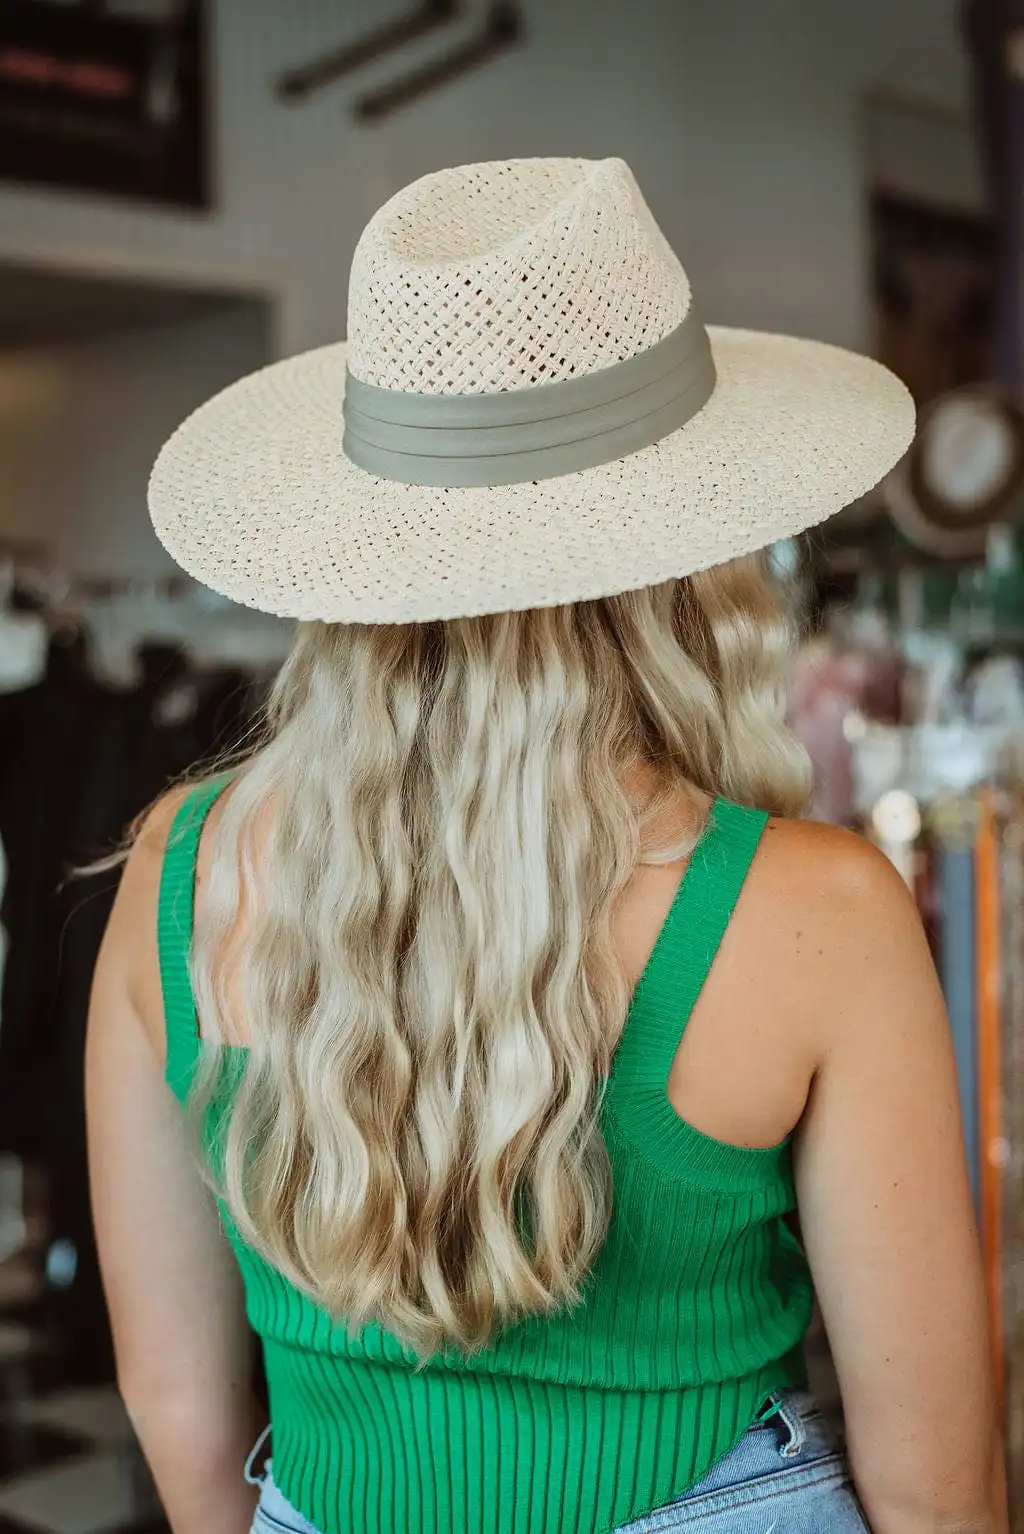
(412, 886)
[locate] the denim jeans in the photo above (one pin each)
(787, 1475)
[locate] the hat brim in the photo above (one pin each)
(254, 497)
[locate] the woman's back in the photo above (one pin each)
(692, 1315)
(817, 936)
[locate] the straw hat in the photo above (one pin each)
(528, 411)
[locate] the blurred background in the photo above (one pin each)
(182, 183)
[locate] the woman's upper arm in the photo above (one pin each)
(887, 1217)
(172, 1287)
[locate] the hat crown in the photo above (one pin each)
(510, 275)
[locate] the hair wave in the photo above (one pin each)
(411, 895)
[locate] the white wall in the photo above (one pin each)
(741, 119)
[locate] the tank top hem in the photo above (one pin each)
(440, 1453)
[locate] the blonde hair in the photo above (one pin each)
(413, 881)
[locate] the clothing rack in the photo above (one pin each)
(118, 615)
(138, 681)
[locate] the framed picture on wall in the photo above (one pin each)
(107, 97)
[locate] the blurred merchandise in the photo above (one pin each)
(846, 673)
(12, 1206)
(141, 681)
(955, 898)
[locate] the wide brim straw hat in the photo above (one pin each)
(528, 411)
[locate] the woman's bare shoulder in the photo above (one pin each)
(828, 866)
(140, 881)
(154, 826)
(833, 921)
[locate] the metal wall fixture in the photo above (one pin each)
(502, 27)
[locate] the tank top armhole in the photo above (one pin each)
(687, 946)
(175, 924)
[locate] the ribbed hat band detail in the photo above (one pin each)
(519, 435)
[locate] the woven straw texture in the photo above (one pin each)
(554, 268)
(498, 277)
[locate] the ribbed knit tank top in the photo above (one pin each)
(694, 1310)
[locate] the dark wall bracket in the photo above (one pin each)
(502, 29)
(429, 16)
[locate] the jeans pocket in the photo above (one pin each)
(803, 1499)
(802, 1432)
(789, 1443)
(275, 1514)
(265, 1523)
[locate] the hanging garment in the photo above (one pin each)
(23, 657)
(42, 734)
(956, 962)
(79, 760)
(138, 743)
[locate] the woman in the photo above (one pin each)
(508, 1027)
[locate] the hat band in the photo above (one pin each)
(516, 436)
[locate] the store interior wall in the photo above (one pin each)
(81, 422)
(741, 121)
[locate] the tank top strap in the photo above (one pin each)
(686, 947)
(175, 923)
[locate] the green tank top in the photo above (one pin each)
(694, 1311)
